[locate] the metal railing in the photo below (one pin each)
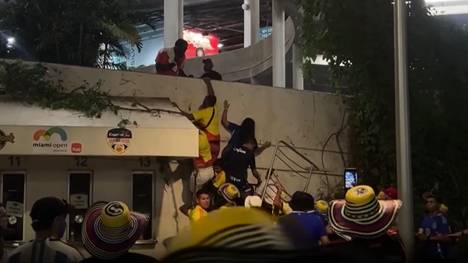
(296, 163)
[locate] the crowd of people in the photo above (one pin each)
(359, 228)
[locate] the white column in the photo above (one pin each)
(279, 56)
(173, 21)
(251, 21)
(403, 140)
(298, 75)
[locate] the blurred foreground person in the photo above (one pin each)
(304, 226)
(48, 216)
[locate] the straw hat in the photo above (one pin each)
(321, 206)
(233, 228)
(361, 214)
(229, 192)
(110, 230)
(443, 209)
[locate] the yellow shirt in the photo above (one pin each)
(219, 179)
(204, 148)
(286, 208)
(203, 117)
(197, 213)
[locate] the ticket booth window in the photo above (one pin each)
(79, 197)
(13, 190)
(143, 198)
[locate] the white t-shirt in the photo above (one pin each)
(45, 251)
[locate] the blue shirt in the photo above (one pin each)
(433, 225)
(303, 228)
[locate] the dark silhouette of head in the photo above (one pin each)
(302, 201)
(48, 215)
(207, 64)
(180, 46)
(432, 203)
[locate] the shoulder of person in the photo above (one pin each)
(19, 250)
(23, 247)
(69, 250)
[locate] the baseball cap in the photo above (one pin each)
(45, 210)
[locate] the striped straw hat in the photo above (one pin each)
(361, 215)
(229, 192)
(110, 229)
(233, 228)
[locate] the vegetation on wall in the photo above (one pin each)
(31, 84)
(356, 36)
(76, 32)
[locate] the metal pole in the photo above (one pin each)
(405, 182)
(270, 171)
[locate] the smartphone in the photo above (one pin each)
(350, 178)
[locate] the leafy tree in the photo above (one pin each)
(78, 32)
(356, 36)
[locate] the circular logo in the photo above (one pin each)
(119, 139)
(114, 209)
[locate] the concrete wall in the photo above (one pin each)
(112, 180)
(302, 118)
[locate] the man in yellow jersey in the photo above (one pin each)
(202, 207)
(207, 121)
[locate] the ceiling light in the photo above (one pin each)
(11, 40)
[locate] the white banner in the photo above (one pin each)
(100, 141)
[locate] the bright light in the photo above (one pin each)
(319, 60)
(197, 39)
(428, 2)
(220, 45)
(449, 10)
(10, 42)
(447, 7)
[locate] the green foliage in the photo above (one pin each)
(29, 83)
(77, 32)
(357, 37)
